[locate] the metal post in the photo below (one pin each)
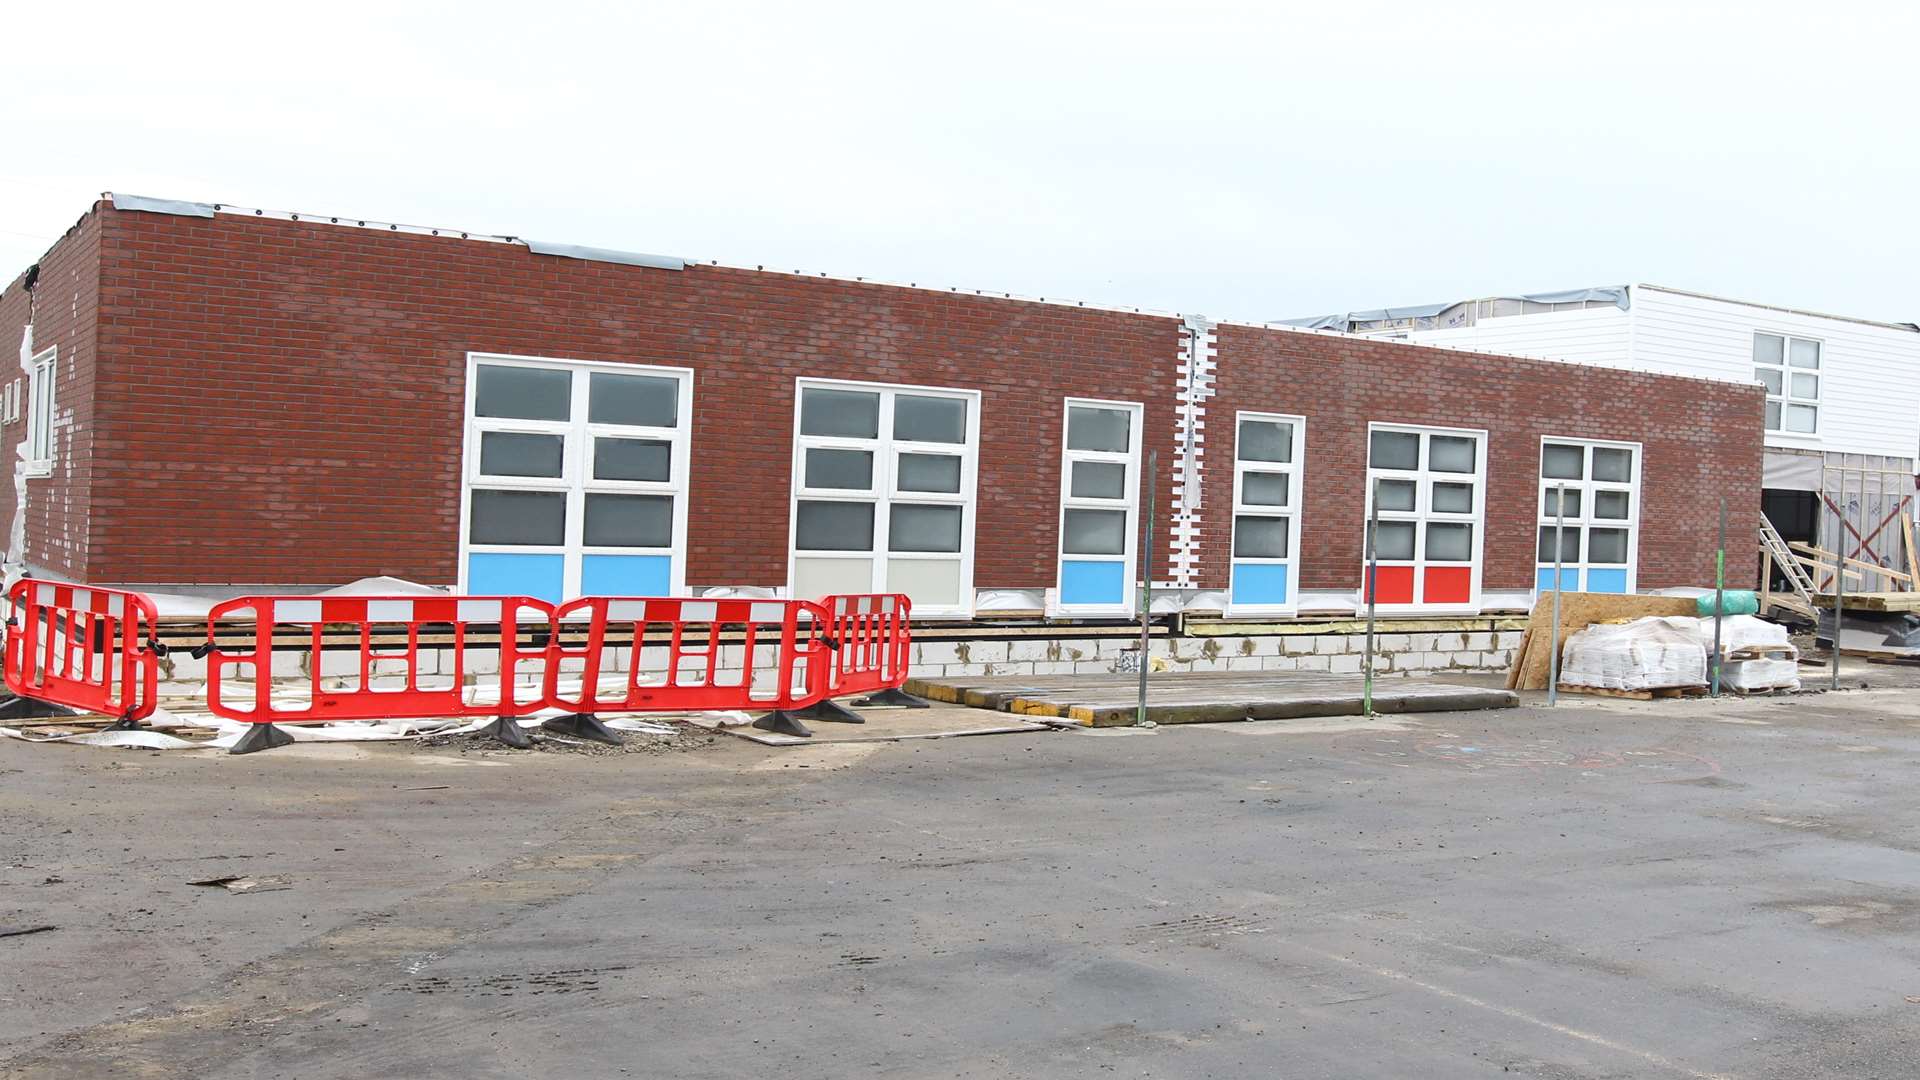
(1373, 576)
(1719, 593)
(1553, 637)
(1146, 585)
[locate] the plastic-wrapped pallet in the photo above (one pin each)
(1768, 673)
(1760, 654)
(1645, 654)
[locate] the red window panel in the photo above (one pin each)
(1448, 584)
(1395, 584)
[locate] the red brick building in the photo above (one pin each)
(220, 400)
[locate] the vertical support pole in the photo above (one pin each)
(1373, 577)
(1146, 585)
(1553, 637)
(1719, 595)
(1839, 607)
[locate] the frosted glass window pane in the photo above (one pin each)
(1561, 462)
(518, 517)
(1265, 440)
(1394, 494)
(1259, 538)
(1453, 498)
(929, 419)
(1801, 418)
(813, 578)
(1804, 354)
(633, 400)
(1098, 480)
(923, 528)
(506, 453)
(1806, 387)
(1451, 453)
(927, 582)
(1264, 489)
(1095, 532)
(850, 414)
(1394, 450)
(1611, 505)
(629, 521)
(1773, 416)
(523, 393)
(1569, 544)
(834, 526)
(1768, 349)
(1104, 430)
(1553, 507)
(1395, 541)
(1607, 546)
(1450, 542)
(930, 472)
(632, 459)
(848, 469)
(1613, 465)
(1771, 378)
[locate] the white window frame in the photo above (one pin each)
(1422, 514)
(1296, 471)
(41, 394)
(576, 468)
(885, 490)
(1586, 486)
(1787, 399)
(1129, 503)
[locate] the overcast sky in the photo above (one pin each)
(1246, 161)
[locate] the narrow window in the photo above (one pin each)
(40, 399)
(883, 493)
(1429, 484)
(1099, 504)
(1789, 367)
(1268, 464)
(1590, 499)
(576, 478)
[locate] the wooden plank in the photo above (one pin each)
(1906, 530)
(1869, 567)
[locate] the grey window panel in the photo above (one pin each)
(523, 393)
(1553, 506)
(1803, 419)
(1806, 387)
(518, 517)
(1773, 416)
(1098, 480)
(848, 414)
(1097, 429)
(1395, 541)
(1265, 440)
(1395, 494)
(1393, 450)
(1265, 489)
(1449, 541)
(1607, 546)
(1451, 453)
(1260, 537)
(511, 453)
(1803, 354)
(846, 469)
(1611, 505)
(1772, 379)
(930, 472)
(1612, 464)
(1562, 462)
(629, 521)
(1453, 498)
(1095, 532)
(633, 400)
(1769, 349)
(917, 418)
(834, 526)
(632, 459)
(1569, 544)
(913, 527)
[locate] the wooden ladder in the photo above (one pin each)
(1790, 566)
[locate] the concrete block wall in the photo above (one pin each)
(1399, 654)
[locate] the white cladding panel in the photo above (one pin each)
(1596, 335)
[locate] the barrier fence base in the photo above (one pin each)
(260, 737)
(582, 725)
(506, 729)
(830, 711)
(893, 696)
(783, 722)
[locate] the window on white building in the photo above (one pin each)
(40, 397)
(1268, 466)
(1430, 484)
(1099, 504)
(1789, 367)
(883, 493)
(1599, 533)
(576, 478)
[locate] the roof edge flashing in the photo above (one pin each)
(606, 255)
(147, 205)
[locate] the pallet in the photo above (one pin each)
(1657, 692)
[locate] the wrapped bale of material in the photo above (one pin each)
(1759, 654)
(1645, 654)
(1766, 673)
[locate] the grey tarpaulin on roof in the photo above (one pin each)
(594, 254)
(161, 206)
(1615, 294)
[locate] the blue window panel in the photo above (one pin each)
(1259, 583)
(1607, 581)
(1083, 582)
(626, 575)
(1569, 579)
(515, 574)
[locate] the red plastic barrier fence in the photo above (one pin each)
(869, 646)
(391, 683)
(773, 664)
(84, 647)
